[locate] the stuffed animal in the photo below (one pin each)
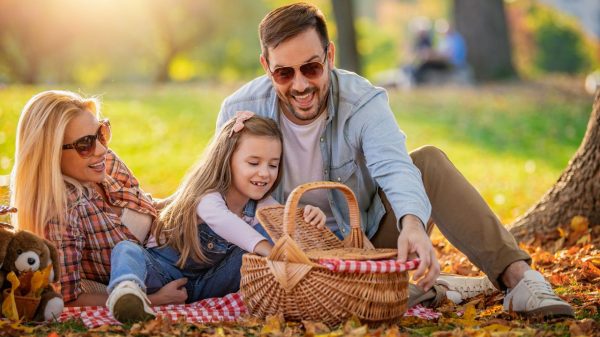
(22, 252)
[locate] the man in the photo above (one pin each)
(338, 127)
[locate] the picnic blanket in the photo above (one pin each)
(231, 307)
(222, 309)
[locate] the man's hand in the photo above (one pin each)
(413, 239)
(173, 292)
(314, 216)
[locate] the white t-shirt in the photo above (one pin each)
(301, 146)
(213, 211)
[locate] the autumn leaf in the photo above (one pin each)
(336, 333)
(470, 311)
(273, 325)
(315, 328)
(579, 224)
(496, 328)
(39, 281)
(595, 260)
(590, 271)
(9, 306)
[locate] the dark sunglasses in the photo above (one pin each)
(86, 145)
(310, 70)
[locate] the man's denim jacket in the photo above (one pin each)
(361, 146)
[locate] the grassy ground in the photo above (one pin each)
(510, 140)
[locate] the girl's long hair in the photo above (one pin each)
(38, 188)
(178, 222)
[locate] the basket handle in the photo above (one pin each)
(356, 238)
(6, 210)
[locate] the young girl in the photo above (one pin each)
(210, 222)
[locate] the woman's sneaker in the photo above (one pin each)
(533, 297)
(129, 303)
(460, 288)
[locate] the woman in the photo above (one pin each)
(70, 188)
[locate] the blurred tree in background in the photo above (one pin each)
(348, 53)
(95, 42)
(483, 25)
(29, 44)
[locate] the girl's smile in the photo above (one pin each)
(254, 169)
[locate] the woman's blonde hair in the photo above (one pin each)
(178, 222)
(37, 186)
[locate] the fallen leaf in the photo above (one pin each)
(9, 306)
(273, 325)
(590, 271)
(470, 311)
(496, 328)
(579, 223)
(315, 328)
(335, 333)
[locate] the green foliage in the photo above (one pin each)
(561, 45)
(376, 47)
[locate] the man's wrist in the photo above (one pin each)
(411, 221)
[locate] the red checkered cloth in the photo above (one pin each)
(220, 309)
(212, 310)
(362, 267)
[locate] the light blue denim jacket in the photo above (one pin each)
(361, 146)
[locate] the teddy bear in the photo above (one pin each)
(23, 251)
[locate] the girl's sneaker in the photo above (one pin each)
(129, 303)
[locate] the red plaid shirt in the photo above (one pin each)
(92, 228)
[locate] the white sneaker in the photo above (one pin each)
(533, 297)
(129, 303)
(461, 288)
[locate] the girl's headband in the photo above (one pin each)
(240, 118)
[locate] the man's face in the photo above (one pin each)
(302, 98)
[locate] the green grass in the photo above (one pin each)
(511, 141)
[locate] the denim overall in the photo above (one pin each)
(152, 268)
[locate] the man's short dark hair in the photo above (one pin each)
(288, 21)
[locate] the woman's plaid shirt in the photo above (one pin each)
(92, 228)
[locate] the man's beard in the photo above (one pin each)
(320, 105)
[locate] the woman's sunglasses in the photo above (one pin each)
(310, 70)
(86, 146)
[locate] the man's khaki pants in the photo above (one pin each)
(462, 216)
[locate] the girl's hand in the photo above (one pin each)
(314, 216)
(263, 248)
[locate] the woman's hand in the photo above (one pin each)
(173, 292)
(314, 216)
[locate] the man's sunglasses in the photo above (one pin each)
(311, 70)
(86, 145)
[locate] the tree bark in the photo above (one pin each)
(577, 191)
(484, 28)
(347, 50)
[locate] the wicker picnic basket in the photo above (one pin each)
(290, 282)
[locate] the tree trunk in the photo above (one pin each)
(577, 191)
(347, 51)
(484, 28)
